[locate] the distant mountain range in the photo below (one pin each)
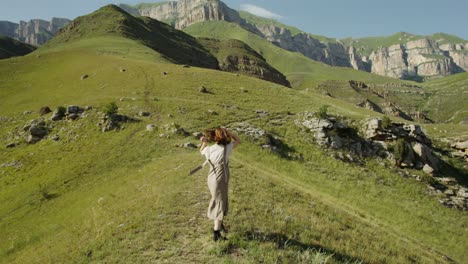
(402, 55)
(34, 32)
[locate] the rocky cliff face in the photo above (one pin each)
(184, 13)
(418, 59)
(35, 32)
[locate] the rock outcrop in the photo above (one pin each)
(184, 13)
(35, 32)
(415, 59)
(421, 58)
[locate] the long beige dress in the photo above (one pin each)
(218, 183)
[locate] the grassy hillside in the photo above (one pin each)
(124, 196)
(448, 104)
(236, 56)
(10, 48)
(301, 71)
(150, 37)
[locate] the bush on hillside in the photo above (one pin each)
(322, 113)
(399, 150)
(110, 109)
(386, 122)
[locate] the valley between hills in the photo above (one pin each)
(341, 161)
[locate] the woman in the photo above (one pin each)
(217, 156)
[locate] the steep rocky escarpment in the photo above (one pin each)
(417, 59)
(236, 56)
(412, 57)
(35, 32)
(184, 13)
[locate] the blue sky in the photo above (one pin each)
(331, 18)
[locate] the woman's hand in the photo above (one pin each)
(203, 145)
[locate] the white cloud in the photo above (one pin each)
(260, 11)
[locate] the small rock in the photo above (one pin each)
(212, 112)
(101, 199)
(142, 113)
(55, 137)
(189, 145)
(244, 90)
(197, 134)
(11, 145)
(150, 127)
(463, 192)
(88, 107)
(30, 139)
(73, 116)
(164, 73)
(27, 112)
(203, 89)
(428, 169)
(123, 70)
(37, 131)
(74, 109)
(449, 192)
(84, 76)
(44, 110)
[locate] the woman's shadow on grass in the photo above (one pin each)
(282, 241)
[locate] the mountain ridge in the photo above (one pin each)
(393, 61)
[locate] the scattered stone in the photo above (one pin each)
(212, 112)
(150, 127)
(428, 169)
(244, 90)
(101, 199)
(197, 134)
(44, 110)
(463, 192)
(203, 89)
(27, 112)
(261, 112)
(449, 192)
(30, 139)
(84, 76)
(164, 73)
(38, 130)
(73, 116)
(189, 145)
(142, 113)
(123, 70)
(88, 107)
(74, 109)
(55, 137)
(11, 145)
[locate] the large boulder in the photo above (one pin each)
(425, 153)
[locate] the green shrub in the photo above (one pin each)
(386, 122)
(400, 150)
(322, 113)
(110, 109)
(61, 110)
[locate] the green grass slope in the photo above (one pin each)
(10, 48)
(449, 102)
(125, 196)
(236, 56)
(301, 71)
(136, 37)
